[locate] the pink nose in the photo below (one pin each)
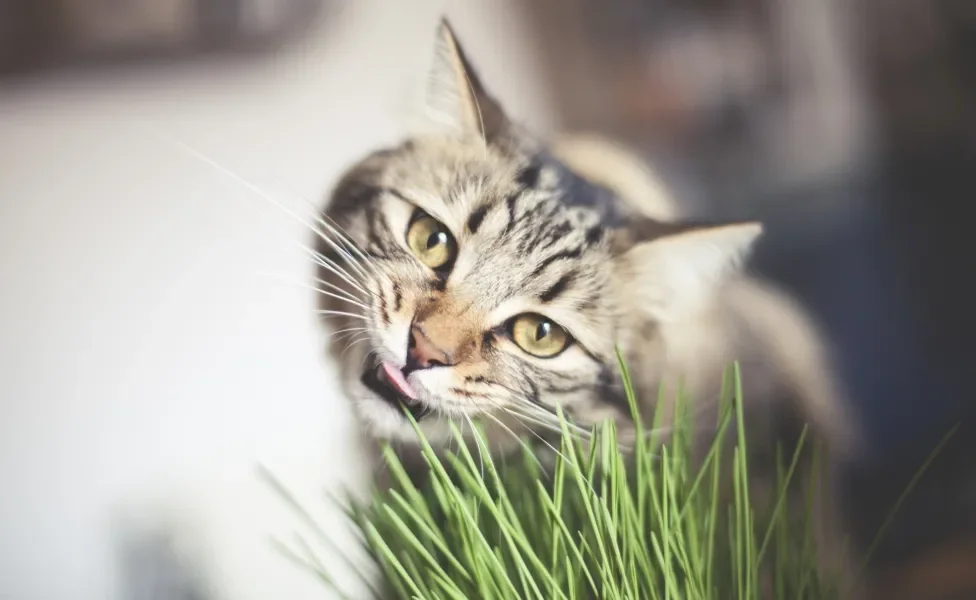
(423, 353)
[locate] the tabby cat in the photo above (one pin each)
(483, 278)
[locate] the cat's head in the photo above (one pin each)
(469, 275)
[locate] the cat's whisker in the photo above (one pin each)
(552, 417)
(347, 345)
(321, 217)
(352, 344)
(265, 195)
(347, 334)
(358, 336)
(474, 433)
(316, 258)
(350, 329)
(532, 424)
(324, 261)
(238, 179)
(441, 417)
(339, 313)
(348, 341)
(331, 267)
(541, 415)
(544, 423)
(338, 297)
(344, 295)
(519, 439)
(355, 342)
(337, 230)
(346, 257)
(548, 418)
(570, 464)
(319, 255)
(369, 354)
(338, 288)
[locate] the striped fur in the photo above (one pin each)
(532, 237)
(607, 261)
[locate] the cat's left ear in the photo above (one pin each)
(457, 102)
(673, 269)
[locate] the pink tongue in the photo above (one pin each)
(396, 379)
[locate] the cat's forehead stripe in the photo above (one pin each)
(569, 254)
(528, 176)
(477, 217)
(553, 291)
(510, 204)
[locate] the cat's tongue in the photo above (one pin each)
(397, 381)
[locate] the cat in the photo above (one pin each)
(486, 276)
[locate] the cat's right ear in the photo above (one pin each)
(675, 267)
(456, 102)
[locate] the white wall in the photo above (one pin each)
(145, 361)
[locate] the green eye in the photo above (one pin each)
(539, 336)
(431, 242)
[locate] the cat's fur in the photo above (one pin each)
(579, 235)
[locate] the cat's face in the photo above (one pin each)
(487, 289)
(476, 278)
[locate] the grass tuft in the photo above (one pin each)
(644, 524)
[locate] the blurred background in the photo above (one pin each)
(154, 340)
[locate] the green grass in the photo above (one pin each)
(603, 523)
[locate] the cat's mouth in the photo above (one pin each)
(391, 386)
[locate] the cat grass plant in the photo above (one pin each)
(605, 522)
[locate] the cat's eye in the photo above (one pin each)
(538, 335)
(430, 241)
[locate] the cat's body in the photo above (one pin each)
(492, 277)
(747, 321)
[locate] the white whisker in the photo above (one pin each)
(450, 440)
(336, 230)
(265, 195)
(339, 313)
(337, 297)
(237, 178)
(366, 356)
(548, 425)
(545, 418)
(318, 259)
(522, 443)
(346, 257)
(348, 333)
(327, 263)
(357, 337)
(474, 434)
(338, 289)
(544, 441)
(348, 329)
(351, 344)
(344, 297)
(333, 228)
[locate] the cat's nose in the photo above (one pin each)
(423, 353)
